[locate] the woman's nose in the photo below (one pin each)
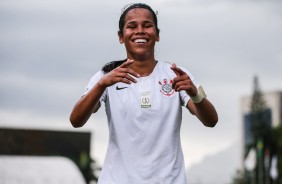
(140, 29)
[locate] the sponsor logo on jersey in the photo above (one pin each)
(120, 88)
(166, 87)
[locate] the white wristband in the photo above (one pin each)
(200, 95)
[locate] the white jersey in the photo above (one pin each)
(144, 120)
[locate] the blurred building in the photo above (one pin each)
(273, 115)
(48, 143)
(39, 170)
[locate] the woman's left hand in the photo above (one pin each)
(182, 81)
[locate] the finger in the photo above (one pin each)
(177, 70)
(126, 64)
(183, 78)
(173, 67)
(125, 75)
(182, 85)
(128, 71)
(132, 72)
(128, 77)
(125, 80)
(186, 88)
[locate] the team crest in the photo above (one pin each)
(166, 87)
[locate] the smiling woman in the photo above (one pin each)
(139, 34)
(143, 99)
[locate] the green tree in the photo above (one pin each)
(266, 140)
(277, 150)
(89, 167)
(260, 127)
(239, 178)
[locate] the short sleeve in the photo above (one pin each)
(93, 81)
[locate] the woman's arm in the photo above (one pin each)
(85, 106)
(204, 111)
(198, 104)
(90, 102)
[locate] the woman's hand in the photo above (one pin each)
(182, 81)
(204, 110)
(120, 74)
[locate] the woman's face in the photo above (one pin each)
(139, 33)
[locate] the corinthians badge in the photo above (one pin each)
(166, 87)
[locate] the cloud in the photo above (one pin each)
(49, 50)
(227, 159)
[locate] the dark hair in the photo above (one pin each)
(112, 65)
(129, 7)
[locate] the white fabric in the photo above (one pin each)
(251, 160)
(144, 144)
(39, 170)
(273, 169)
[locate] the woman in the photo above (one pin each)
(143, 99)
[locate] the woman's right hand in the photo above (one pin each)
(120, 74)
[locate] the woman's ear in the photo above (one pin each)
(121, 41)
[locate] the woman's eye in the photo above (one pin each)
(130, 26)
(148, 26)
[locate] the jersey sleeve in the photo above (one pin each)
(93, 81)
(183, 95)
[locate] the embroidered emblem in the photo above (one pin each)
(166, 87)
(146, 100)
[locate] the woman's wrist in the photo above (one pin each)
(200, 95)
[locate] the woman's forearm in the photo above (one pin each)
(86, 106)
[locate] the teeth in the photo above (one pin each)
(140, 41)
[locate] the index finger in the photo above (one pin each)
(130, 71)
(177, 70)
(126, 63)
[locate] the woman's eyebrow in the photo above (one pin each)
(148, 21)
(131, 22)
(144, 21)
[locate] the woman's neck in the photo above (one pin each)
(143, 67)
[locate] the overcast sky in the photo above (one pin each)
(50, 49)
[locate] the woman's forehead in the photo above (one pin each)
(139, 14)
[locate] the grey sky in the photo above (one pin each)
(50, 49)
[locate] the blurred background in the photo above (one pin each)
(50, 49)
